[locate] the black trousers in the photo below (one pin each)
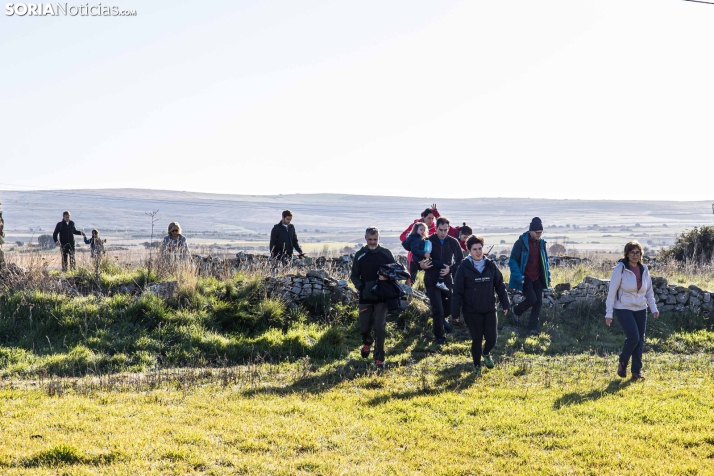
(634, 324)
(533, 293)
(373, 317)
(440, 303)
(481, 324)
(68, 255)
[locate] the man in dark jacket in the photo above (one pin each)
(372, 308)
(530, 273)
(446, 256)
(64, 238)
(283, 239)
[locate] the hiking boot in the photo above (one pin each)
(477, 370)
(379, 364)
(442, 286)
(440, 341)
(365, 350)
(637, 376)
(488, 361)
(622, 369)
(447, 325)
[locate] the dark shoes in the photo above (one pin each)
(622, 369)
(379, 364)
(440, 341)
(447, 325)
(364, 351)
(638, 377)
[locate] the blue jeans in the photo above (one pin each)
(633, 323)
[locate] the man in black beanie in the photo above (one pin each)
(530, 273)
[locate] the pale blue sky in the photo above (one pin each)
(608, 99)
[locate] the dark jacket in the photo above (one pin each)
(65, 231)
(283, 241)
(364, 271)
(519, 260)
(416, 247)
(476, 292)
(447, 254)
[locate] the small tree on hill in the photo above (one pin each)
(696, 246)
(557, 249)
(45, 241)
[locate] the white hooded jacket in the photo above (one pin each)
(623, 292)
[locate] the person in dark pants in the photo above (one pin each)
(64, 238)
(476, 283)
(372, 308)
(629, 295)
(530, 273)
(283, 239)
(446, 255)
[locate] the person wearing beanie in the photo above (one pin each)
(530, 273)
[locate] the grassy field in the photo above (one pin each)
(221, 380)
(530, 415)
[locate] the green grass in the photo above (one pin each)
(222, 380)
(530, 415)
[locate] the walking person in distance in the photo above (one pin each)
(63, 236)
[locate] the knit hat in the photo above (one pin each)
(536, 225)
(466, 230)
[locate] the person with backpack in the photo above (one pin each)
(629, 296)
(365, 276)
(63, 236)
(476, 284)
(529, 273)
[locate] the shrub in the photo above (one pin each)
(557, 249)
(694, 246)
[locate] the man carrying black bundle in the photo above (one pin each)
(283, 239)
(372, 308)
(64, 238)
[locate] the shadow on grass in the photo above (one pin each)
(576, 398)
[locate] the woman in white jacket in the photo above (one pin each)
(629, 295)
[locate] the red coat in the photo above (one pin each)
(453, 231)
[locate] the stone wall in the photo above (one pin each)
(669, 297)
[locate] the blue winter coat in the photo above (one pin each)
(519, 260)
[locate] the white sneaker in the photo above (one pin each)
(442, 286)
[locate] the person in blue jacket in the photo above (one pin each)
(530, 273)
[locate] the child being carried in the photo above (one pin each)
(417, 242)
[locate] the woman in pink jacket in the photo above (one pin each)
(629, 296)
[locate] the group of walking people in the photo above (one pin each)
(174, 243)
(461, 281)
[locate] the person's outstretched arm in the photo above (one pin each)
(514, 262)
(500, 287)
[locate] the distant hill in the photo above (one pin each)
(124, 209)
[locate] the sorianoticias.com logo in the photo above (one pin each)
(63, 9)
